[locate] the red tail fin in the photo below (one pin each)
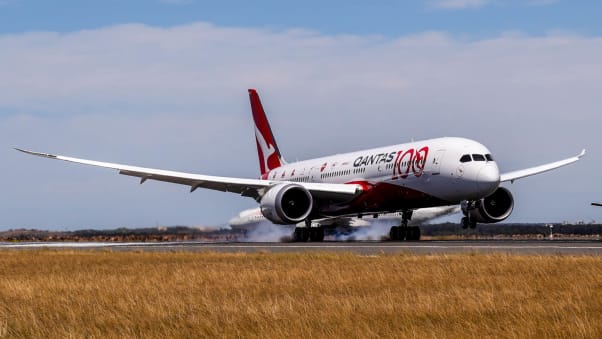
(269, 155)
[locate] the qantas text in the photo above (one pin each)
(382, 158)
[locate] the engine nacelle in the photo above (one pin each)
(494, 208)
(286, 204)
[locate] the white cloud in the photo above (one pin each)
(175, 98)
(457, 4)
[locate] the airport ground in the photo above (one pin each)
(108, 293)
(474, 246)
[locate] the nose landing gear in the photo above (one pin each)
(468, 220)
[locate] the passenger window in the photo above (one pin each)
(488, 157)
(465, 158)
(478, 157)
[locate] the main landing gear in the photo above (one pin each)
(303, 234)
(405, 232)
(308, 233)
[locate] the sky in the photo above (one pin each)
(163, 84)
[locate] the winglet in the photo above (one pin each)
(45, 155)
(581, 154)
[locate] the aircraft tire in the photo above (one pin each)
(296, 236)
(410, 233)
(394, 233)
(301, 234)
(464, 222)
(304, 234)
(403, 233)
(316, 234)
(413, 233)
(398, 233)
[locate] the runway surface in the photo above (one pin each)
(543, 247)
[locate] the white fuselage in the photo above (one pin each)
(413, 175)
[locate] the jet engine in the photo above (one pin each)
(286, 204)
(493, 208)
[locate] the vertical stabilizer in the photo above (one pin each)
(267, 150)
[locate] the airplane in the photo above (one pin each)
(596, 204)
(253, 218)
(398, 178)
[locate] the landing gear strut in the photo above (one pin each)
(467, 221)
(405, 232)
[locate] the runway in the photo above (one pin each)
(538, 247)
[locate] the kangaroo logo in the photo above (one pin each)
(266, 150)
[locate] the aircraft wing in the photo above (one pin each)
(511, 176)
(596, 204)
(254, 188)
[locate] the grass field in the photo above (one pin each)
(104, 294)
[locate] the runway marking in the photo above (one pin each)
(93, 244)
(399, 246)
(376, 247)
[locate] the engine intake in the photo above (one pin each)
(286, 204)
(494, 208)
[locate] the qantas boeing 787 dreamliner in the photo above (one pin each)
(399, 178)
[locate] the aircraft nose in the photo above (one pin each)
(488, 178)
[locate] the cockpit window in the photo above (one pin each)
(465, 158)
(478, 157)
(488, 157)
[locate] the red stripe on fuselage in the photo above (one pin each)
(383, 197)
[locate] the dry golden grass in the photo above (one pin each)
(104, 294)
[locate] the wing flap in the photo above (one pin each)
(511, 176)
(254, 188)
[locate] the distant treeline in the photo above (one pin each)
(172, 233)
(179, 233)
(172, 230)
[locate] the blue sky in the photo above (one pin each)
(475, 18)
(162, 84)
